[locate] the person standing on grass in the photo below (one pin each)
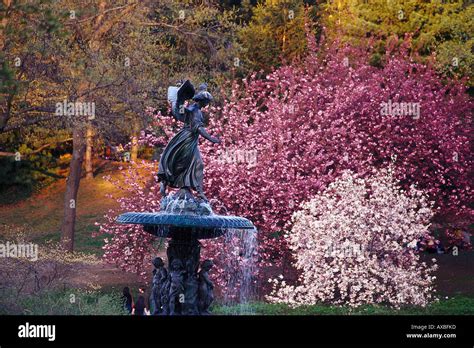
(127, 300)
(140, 307)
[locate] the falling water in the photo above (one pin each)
(240, 268)
(173, 204)
(238, 256)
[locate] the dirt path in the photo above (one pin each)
(104, 275)
(100, 275)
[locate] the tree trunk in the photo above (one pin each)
(72, 187)
(88, 157)
(134, 149)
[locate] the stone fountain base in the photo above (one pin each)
(184, 288)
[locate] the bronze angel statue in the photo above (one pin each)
(181, 164)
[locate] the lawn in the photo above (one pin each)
(460, 305)
(107, 302)
(41, 214)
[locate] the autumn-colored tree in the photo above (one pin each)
(27, 94)
(25, 63)
(443, 28)
(118, 56)
(193, 40)
(275, 33)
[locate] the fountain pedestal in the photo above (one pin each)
(184, 288)
(186, 250)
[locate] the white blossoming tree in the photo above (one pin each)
(355, 244)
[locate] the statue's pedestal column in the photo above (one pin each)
(183, 262)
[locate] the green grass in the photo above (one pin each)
(107, 302)
(83, 242)
(65, 302)
(454, 306)
(88, 244)
(42, 213)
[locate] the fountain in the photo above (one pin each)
(185, 288)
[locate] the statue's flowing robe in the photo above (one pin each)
(181, 162)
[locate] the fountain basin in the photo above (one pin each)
(183, 226)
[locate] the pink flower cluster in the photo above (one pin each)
(128, 246)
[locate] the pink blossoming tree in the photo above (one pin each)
(288, 136)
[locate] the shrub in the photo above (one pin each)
(69, 302)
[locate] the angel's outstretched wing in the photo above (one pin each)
(178, 96)
(186, 91)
